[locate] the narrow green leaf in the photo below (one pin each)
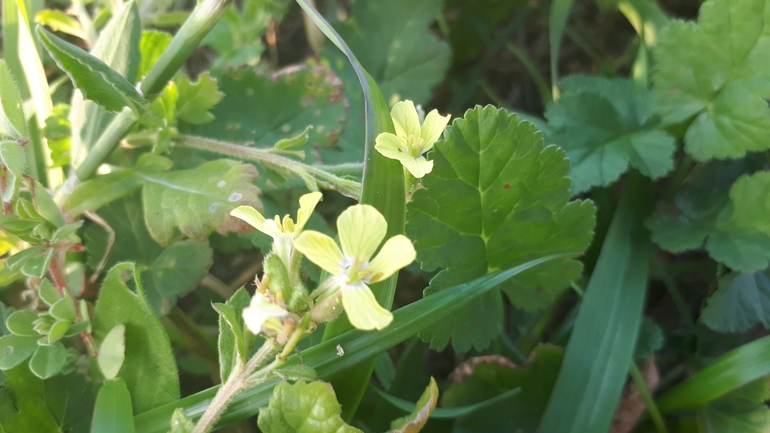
(48, 361)
(95, 79)
(358, 346)
(601, 346)
(47, 293)
(557, 22)
(12, 121)
(230, 342)
(112, 352)
(113, 412)
(37, 83)
(735, 368)
(382, 187)
(148, 348)
(118, 47)
(58, 21)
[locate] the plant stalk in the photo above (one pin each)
(276, 162)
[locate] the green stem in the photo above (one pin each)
(276, 162)
(202, 19)
(106, 144)
(537, 77)
(652, 408)
(236, 382)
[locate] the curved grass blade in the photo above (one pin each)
(445, 412)
(730, 371)
(557, 22)
(601, 347)
(359, 346)
(383, 188)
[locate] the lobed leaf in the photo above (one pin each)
(716, 74)
(497, 194)
(606, 125)
(733, 227)
(741, 301)
(197, 98)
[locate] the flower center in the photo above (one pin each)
(357, 271)
(414, 144)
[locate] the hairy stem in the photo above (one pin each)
(236, 382)
(275, 162)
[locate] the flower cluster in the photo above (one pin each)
(413, 138)
(281, 297)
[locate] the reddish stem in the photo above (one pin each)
(59, 282)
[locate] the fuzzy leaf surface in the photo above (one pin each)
(605, 126)
(94, 78)
(717, 72)
(502, 198)
(149, 368)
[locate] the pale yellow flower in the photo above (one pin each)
(411, 139)
(263, 316)
(361, 230)
(282, 232)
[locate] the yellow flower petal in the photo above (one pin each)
(397, 253)
(321, 250)
(432, 129)
(418, 167)
(405, 119)
(361, 229)
(255, 219)
(307, 204)
(260, 311)
(391, 146)
(363, 311)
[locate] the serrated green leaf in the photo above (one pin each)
(58, 132)
(716, 73)
(13, 161)
(197, 98)
(395, 46)
(13, 124)
(741, 301)
(148, 348)
(112, 352)
(198, 201)
(48, 361)
(264, 110)
(503, 182)
(20, 323)
(231, 337)
(94, 78)
(15, 349)
(58, 21)
(118, 48)
(151, 46)
(734, 229)
(304, 407)
(605, 126)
